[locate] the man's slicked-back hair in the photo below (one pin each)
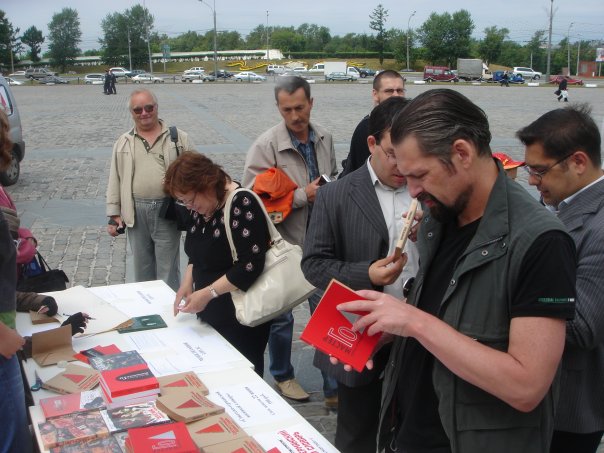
(380, 118)
(386, 74)
(291, 84)
(439, 117)
(564, 131)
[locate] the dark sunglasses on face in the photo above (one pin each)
(148, 108)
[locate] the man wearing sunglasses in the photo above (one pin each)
(563, 160)
(135, 195)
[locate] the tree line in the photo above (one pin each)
(441, 39)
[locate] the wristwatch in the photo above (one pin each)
(213, 292)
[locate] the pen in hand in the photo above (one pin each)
(85, 316)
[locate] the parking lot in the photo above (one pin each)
(69, 131)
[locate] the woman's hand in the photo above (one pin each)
(185, 290)
(197, 301)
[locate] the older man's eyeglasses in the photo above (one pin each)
(539, 174)
(147, 108)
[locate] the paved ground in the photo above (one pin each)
(69, 131)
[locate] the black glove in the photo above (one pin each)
(78, 323)
(51, 304)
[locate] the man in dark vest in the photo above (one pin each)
(478, 344)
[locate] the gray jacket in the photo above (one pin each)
(581, 407)
(274, 148)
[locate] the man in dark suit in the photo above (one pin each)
(351, 237)
(563, 160)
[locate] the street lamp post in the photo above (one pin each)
(578, 53)
(412, 14)
(215, 47)
(568, 46)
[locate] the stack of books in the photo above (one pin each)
(125, 379)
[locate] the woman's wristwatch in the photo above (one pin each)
(213, 292)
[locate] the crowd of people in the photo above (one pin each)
(492, 334)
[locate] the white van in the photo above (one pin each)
(275, 69)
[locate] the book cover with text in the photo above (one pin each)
(177, 382)
(128, 381)
(56, 406)
(72, 428)
(97, 351)
(113, 361)
(73, 379)
(171, 437)
(330, 330)
(188, 406)
(214, 430)
(133, 416)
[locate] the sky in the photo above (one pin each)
(173, 17)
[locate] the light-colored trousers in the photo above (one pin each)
(155, 244)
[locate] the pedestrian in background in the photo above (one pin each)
(563, 89)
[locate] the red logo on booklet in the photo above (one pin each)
(330, 330)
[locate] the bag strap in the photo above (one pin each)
(43, 264)
(174, 137)
(274, 233)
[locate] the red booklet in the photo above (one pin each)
(330, 330)
(97, 351)
(128, 380)
(172, 437)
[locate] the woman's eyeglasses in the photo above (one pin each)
(148, 108)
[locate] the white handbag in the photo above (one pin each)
(280, 287)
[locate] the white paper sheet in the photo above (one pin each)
(137, 299)
(252, 404)
(298, 438)
(78, 298)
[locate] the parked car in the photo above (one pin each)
(334, 76)
(52, 80)
(439, 74)
(222, 74)
(197, 75)
(248, 76)
(11, 175)
(120, 72)
(558, 78)
(275, 69)
(527, 73)
(38, 73)
(512, 78)
(194, 69)
(94, 79)
(147, 78)
(366, 72)
(12, 81)
(17, 74)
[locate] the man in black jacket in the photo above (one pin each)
(562, 88)
(385, 85)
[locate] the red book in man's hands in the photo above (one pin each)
(330, 330)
